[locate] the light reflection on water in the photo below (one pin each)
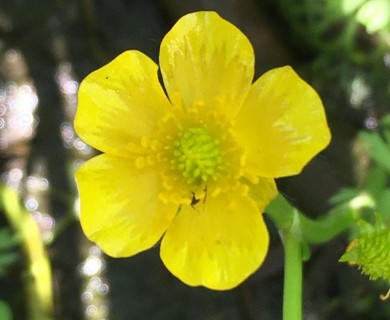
(37, 183)
(36, 199)
(68, 87)
(359, 91)
(31, 203)
(360, 98)
(18, 123)
(18, 103)
(95, 287)
(68, 134)
(13, 177)
(93, 267)
(371, 123)
(17, 120)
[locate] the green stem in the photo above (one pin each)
(298, 230)
(292, 292)
(323, 229)
(38, 281)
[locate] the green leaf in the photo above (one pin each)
(8, 258)
(374, 15)
(383, 205)
(350, 256)
(344, 195)
(376, 180)
(377, 148)
(5, 311)
(8, 239)
(385, 125)
(350, 6)
(385, 121)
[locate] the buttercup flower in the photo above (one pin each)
(180, 161)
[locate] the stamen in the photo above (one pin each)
(197, 155)
(193, 154)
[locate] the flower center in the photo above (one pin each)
(197, 155)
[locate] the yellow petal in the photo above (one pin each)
(119, 103)
(120, 210)
(263, 191)
(282, 124)
(216, 244)
(207, 63)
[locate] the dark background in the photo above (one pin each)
(47, 47)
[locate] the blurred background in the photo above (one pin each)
(49, 271)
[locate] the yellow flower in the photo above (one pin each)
(178, 163)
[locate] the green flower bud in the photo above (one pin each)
(371, 250)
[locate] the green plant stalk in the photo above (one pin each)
(292, 290)
(298, 230)
(321, 230)
(38, 281)
(334, 223)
